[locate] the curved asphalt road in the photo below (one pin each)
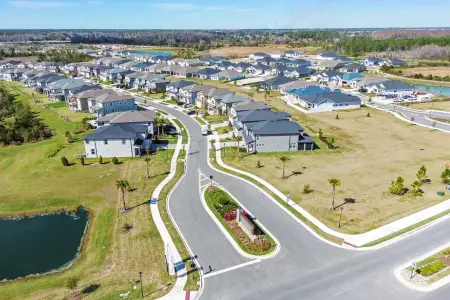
(305, 267)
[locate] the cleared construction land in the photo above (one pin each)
(435, 71)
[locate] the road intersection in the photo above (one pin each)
(305, 267)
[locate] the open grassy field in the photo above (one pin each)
(435, 71)
(372, 152)
(246, 51)
(33, 183)
(437, 105)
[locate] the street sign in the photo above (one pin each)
(413, 265)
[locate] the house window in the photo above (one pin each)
(123, 142)
(106, 142)
(87, 142)
(92, 151)
(257, 137)
(292, 145)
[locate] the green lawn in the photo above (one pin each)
(200, 120)
(214, 119)
(33, 183)
(223, 130)
(184, 133)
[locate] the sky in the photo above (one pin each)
(221, 14)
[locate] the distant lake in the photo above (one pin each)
(443, 90)
(155, 53)
(39, 244)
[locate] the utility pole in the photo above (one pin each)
(211, 178)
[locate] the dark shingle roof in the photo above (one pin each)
(261, 115)
(335, 97)
(116, 131)
(278, 127)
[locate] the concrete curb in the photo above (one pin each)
(229, 237)
(428, 288)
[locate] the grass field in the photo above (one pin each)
(372, 152)
(246, 51)
(437, 105)
(435, 71)
(33, 183)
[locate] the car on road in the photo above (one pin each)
(191, 112)
(204, 130)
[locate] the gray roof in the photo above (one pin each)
(335, 97)
(131, 116)
(279, 127)
(215, 92)
(295, 84)
(329, 73)
(113, 96)
(329, 54)
(117, 131)
(92, 93)
(181, 84)
(234, 98)
(370, 80)
(353, 66)
(279, 80)
(229, 73)
(249, 105)
(261, 115)
(207, 71)
(394, 85)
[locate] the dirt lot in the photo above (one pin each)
(435, 71)
(246, 51)
(438, 105)
(373, 152)
(24, 58)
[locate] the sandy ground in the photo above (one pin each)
(22, 58)
(435, 71)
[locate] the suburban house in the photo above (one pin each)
(62, 89)
(352, 68)
(267, 61)
(364, 82)
(372, 61)
(119, 140)
(111, 102)
(130, 79)
(326, 76)
(391, 87)
(276, 136)
(274, 83)
(53, 67)
(188, 94)
(113, 75)
(173, 88)
(258, 55)
(12, 74)
(395, 62)
(79, 102)
(298, 72)
(155, 68)
(298, 63)
(347, 78)
(150, 83)
(40, 83)
(140, 67)
(259, 69)
(205, 73)
(228, 75)
(328, 56)
(284, 88)
(291, 54)
(329, 101)
(223, 65)
(179, 71)
(246, 106)
(229, 100)
(212, 98)
(86, 70)
(293, 96)
(8, 64)
(326, 65)
(241, 66)
(254, 116)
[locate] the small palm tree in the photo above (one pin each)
(147, 164)
(334, 183)
(122, 185)
(284, 160)
(238, 139)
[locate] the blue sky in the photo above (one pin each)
(230, 14)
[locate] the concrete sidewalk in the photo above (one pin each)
(354, 240)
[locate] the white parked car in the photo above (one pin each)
(204, 130)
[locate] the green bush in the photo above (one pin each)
(432, 268)
(64, 161)
(55, 150)
(221, 201)
(115, 160)
(100, 159)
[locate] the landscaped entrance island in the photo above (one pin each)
(40, 244)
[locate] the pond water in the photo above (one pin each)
(443, 90)
(158, 53)
(39, 244)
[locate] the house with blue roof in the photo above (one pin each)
(298, 72)
(293, 96)
(347, 78)
(329, 101)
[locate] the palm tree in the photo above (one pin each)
(147, 164)
(160, 122)
(334, 182)
(122, 186)
(284, 160)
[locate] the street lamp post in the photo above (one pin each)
(211, 178)
(288, 197)
(340, 217)
(140, 279)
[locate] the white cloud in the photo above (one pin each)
(37, 4)
(176, 5)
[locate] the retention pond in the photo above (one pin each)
(41, 243)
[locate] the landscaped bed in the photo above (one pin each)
(199, 120)
(225, 208)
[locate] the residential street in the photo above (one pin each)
(305, 267)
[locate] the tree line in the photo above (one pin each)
(63, 55)
(18, 124)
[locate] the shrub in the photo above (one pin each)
(64, 161)
(159, 149)
(115, 160)
(68, 139)
(100, 159)
(78, 131)
(337, 117)
(258, 164)
(72, 283)
(397, 186)
(307, 189)
(368, 115)
(82, 161)
(445, 176)
(432, 268)
(55, 150)
(126, 226)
